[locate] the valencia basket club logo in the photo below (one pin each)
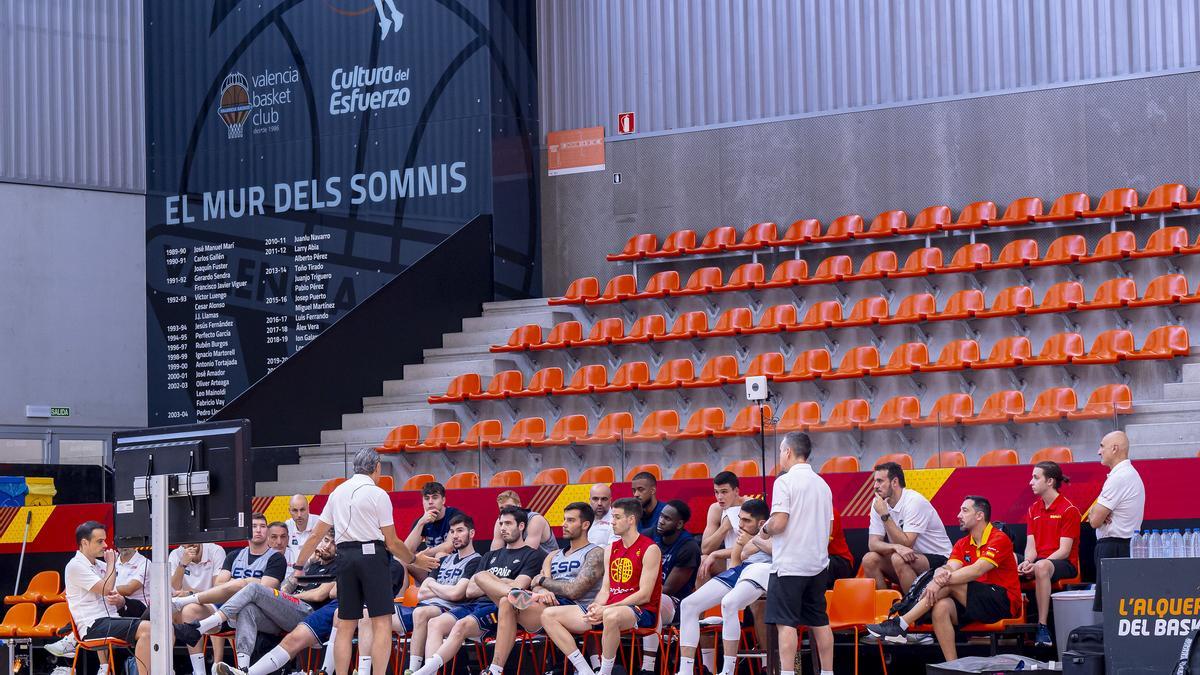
(234, 106)
(621, 570)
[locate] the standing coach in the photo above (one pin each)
(1118, 511)
(360, 513)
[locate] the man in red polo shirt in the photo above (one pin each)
(978, 584)
(1052, 544)
(841, 560)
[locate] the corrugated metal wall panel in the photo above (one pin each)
(71, 94)
(695, 63)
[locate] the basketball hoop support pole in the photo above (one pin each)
(161, 635)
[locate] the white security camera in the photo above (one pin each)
(756, 388)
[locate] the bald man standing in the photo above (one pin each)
(1117, 513)
(601, 532)
(299, 526)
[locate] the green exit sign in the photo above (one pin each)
(60, 412)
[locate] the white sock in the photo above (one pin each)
(581, 665)
(327, 662)
(709, 658)
(903, 624)
(606, 665)
(787, 672)
(648, 659)
(103, 670)
(274, 660)
(243, 661)
(826, 672)
(431, 666)
(364, 664)
(210, 624)
(686, 665)
(415, 662)
(197, 663)
(496, 669)
(595, 661)
(730, 665)
(184, 600)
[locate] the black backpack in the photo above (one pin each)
(913, 596)
(1189, 656)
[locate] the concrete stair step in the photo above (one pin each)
(402, 402)
(283, 488)
(482, 366)
(416, 386)
(1190, 373)
(1181, 391)
(355, 438)
(312, 471)
(514, 306)
(512, 320)
(393, 418)
(455, 354)
(484, 338)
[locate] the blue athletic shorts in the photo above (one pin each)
(644, 619)
(486, 614)
(406, 613)
(320, 622)
(730, 576)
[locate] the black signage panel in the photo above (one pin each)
(1150, 606)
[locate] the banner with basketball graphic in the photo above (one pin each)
(301, 153)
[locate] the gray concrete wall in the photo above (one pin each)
(72, 305)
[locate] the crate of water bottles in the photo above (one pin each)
(1165, 544)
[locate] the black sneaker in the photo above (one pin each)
(889, 631)
(188, 633)
(1043, 639)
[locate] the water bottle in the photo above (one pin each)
(1190, 540)
(1177, 549)
(1155, 544)
(1135, 545)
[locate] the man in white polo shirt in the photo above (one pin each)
(800, 526)
(1118, 511)
(601, 532)
(194, 567)
(906, 535)
(300, 525)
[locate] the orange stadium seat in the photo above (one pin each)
(691, 471)
(920, 263)
(718, 239)
(1058, 350)
(906, 358)
(913, 309)
(524, 433)
(1109, 347)
(463, 481)
(552, 476)
(800, 232)
(1020, 212)
(672, 374)
(1105, 401)
(483, 433)
(703, 423)
(733, 321)
(788, 273)
(821, 315)
(800, 416)
(956, 355)
(948, 410)
(770, 364)
(774, 319)
(1005, 457)
(331, 485)
(1051, 405)
(973, 215)
(1007, 352)
(758, 235)
(20, 617)
(1163, 343)
(676, 244)
(1059, 454)
(1165, 197)
(652, 469)
(568, 430)
(543, 383)
(645, 329)
(522, 338)
(886, 224)
(1010, 301)
(1167, 289)
(866, 312)
(417, 481)
(507, 478)
(842, 228)
(1016, 253)
(834, 268)
(743, 468)
(840, 464)
(658, 426)
(440, 436)
(584, 288)
(703, 280)
(858, 362)
(1115, 202)
(1065, 250)
(660, 285)
(386, 483)
(852, 605)
(400, 438)
(611, 428)
(946, 459)
(54, 619)
(637, 248)
(846, 415)
(1113, 246)
(961, 305)
(1164, 242)
(618, 289)
(904, 459)
(629, 376)
(930, 219)
(688, 326)
(1061, 297)
(746, 277)
(598, 474)
(809, 365)
(969, 258)
(876, 265)
(586, 379)
(604, 332)
(1112, 294)
(1070, 206)
(461, 388)
(747, 422)
(561, 336)
(896, 412)
(999, 408)
(41, 588)
(503, 385)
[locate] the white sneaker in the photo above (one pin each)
(61, 670)
(63, 648)
(222, 668)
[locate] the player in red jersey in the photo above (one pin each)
(628, 598)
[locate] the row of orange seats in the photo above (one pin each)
(1052, 405)
(1071, 206)
(1109, 347)
(970, 303)
(970, 258)
(44, 588)
(21, 621)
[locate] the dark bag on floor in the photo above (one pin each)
(913, 596)
(1087, 639)
(1189, 656)
(1084, 654)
